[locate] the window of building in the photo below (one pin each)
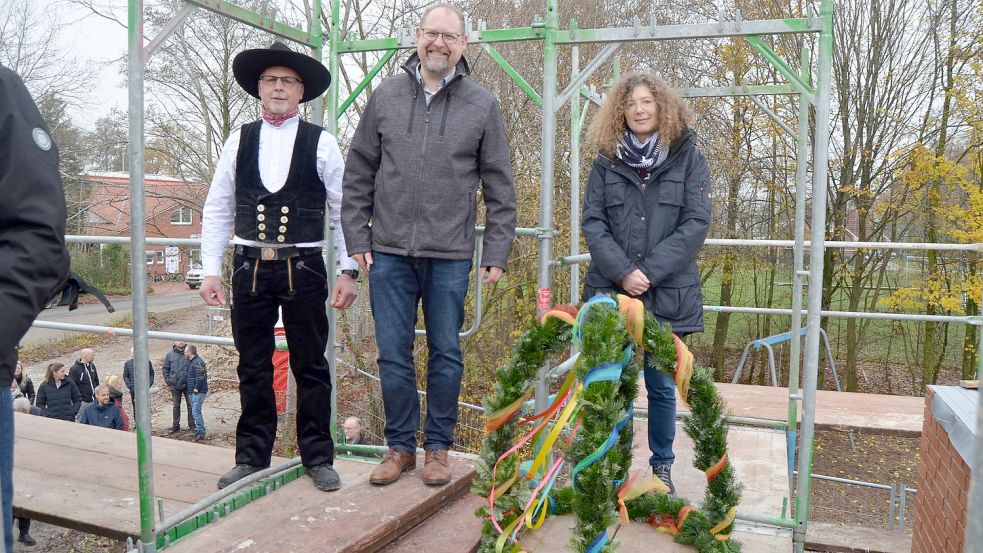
(181, 216)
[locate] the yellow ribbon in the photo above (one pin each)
(731, 515)
(635, 487)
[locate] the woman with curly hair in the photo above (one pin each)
(646, 214)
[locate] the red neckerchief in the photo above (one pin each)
(279, 120)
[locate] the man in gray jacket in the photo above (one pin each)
(424, 142)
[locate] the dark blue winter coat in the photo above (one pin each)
(197, 376)
(175, 369)
(657, 225)
(128, 375)
(106, 416)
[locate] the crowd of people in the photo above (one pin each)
(79, 395)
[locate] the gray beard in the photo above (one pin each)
(439, 69)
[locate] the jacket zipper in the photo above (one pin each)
(423, 151)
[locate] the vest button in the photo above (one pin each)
(284, 219)
(283, 229)
(261, 217)
(262, 236)
(261, 226)
(261, 208)
(281, 238)
(284, 209)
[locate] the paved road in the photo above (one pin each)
(96, 314)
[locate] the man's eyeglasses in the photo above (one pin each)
(449, 38)
(270, 80)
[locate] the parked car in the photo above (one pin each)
(194, 276)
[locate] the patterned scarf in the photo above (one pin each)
(279, 120)
(642, 156)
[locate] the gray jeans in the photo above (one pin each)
(176, 396)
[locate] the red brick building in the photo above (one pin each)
(172, 208)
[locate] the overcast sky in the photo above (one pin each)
(99, 44)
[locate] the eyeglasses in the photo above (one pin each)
(449, 38)
(270, 80)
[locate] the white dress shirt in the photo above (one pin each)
(276, 146)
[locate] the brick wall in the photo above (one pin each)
(943, 482)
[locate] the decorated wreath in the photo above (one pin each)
(586, 435)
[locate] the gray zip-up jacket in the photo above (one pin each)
(413, 172)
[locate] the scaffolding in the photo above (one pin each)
(547, 31)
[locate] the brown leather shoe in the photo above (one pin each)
(436, 468)
(395, 463)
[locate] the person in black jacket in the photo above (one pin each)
(131, 382)
(33, 256)
(58, 395)
(646, 214)
(24, 382)
(175, 371)
(83, 373)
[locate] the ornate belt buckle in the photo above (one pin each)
(269, 254)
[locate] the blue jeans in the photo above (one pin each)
(7, 465)
(197, 400)
(397, 284)
(661, 392)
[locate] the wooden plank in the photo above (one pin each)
(166, 451)
(876, 413)
(453, 529)
(359, 517)
(85, 478)
(970, 384)
(95, 506)
(170, 483)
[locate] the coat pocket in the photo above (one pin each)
(679, 306)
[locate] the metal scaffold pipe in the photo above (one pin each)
(814, 316)
(141, 355)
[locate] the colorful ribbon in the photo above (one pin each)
(602, 450)
(498, 419)
(634, 487)
(717, 468)
(684, 368)
(634, 313)
(599, 542)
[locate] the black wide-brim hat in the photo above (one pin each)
(250, 64)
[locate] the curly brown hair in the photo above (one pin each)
(608, 125)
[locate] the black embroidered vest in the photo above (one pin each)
(295, 213)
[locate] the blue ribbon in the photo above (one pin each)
(601, 451)
(599, 542)
(576, 333)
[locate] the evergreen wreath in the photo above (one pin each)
(595, 427)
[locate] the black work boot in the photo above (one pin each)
(236, 474)
(664, 472)
(325, 477)
(26, 539)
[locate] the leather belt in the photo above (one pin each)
(275, 254)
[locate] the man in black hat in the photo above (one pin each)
(275, 180)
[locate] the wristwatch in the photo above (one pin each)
(350, 272)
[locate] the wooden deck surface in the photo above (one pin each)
(359, 517)
(83, 477)
(876, 413)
